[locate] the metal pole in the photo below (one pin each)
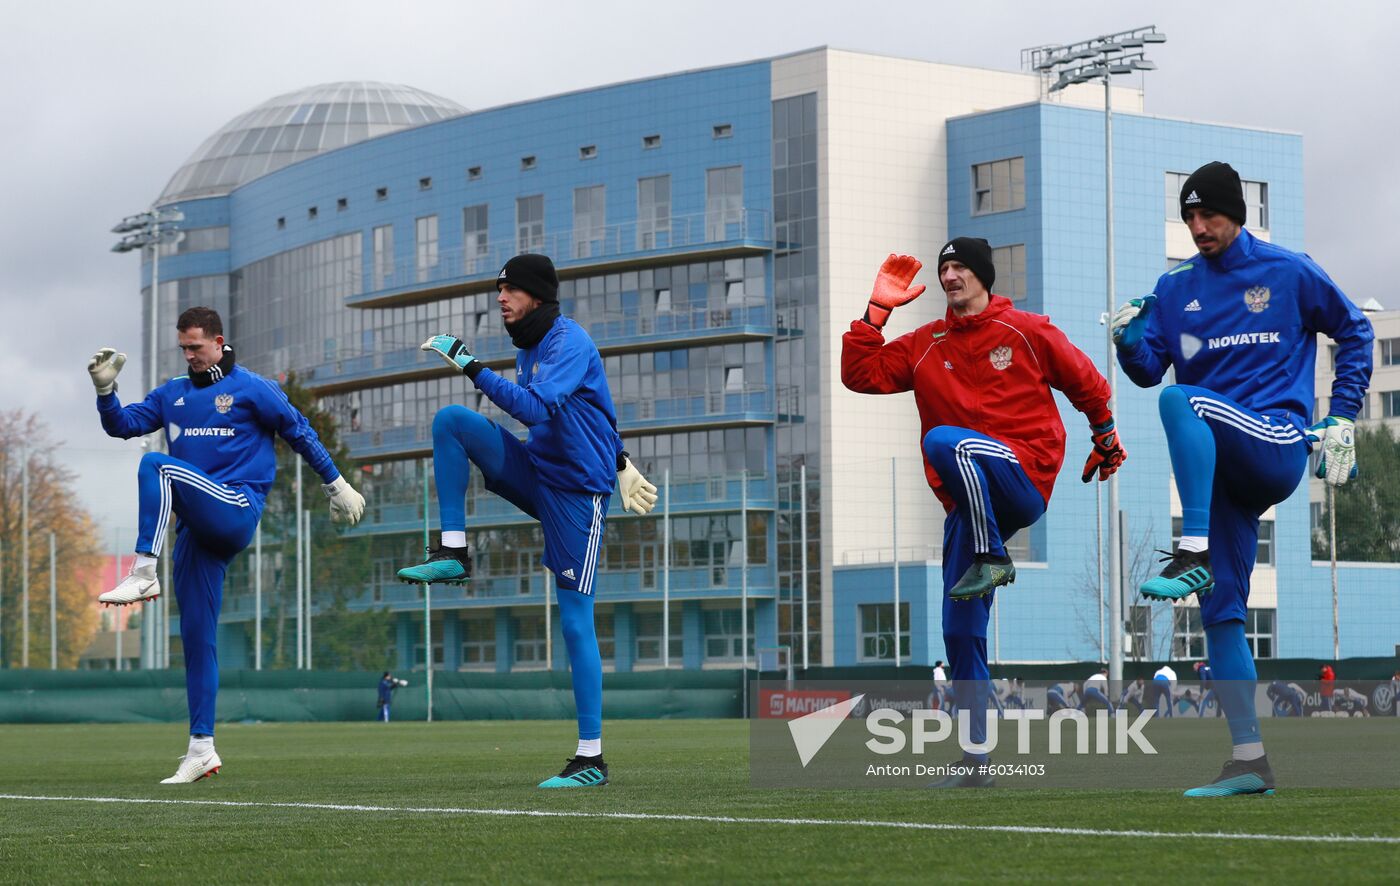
(548, 625)
(1332, 534)
(666, 569)
(307, 516)
(117, 610)
(2, 585)
(744, 569)
(24, 561)
(894, 541)
(996, 628)
(53, 602)
(257, 597)
(168, 589)
(301, 646)
(1098, 565)
(427, 606)
(1115, 600)
(806, 634)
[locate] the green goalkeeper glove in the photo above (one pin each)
(451, 349)
(1337, 437)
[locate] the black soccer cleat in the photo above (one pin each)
(449, 566)
(986, 574)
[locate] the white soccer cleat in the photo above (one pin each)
(139, 585)
(194, 767)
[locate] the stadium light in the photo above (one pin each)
(1111, 54)
(154, 228)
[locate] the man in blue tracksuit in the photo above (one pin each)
(387, 684)
(219, 421)
(1238, 322)
(562, 475)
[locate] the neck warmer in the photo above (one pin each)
(528, 332)
(214, 373)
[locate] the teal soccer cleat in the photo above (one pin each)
(1188, 573)
(1237, 778)
(580, 772)
(449, 566)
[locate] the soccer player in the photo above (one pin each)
(1132, 695)
(1096, 691)
(219, 420)
(1163, 685)
(992, 438)
(562, 475)
(1207, 678)
(387, 684)
(1288, 698)
(1238, 322)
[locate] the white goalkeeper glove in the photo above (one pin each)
(1130, 320)
(1337, 437)
(638, 495)
(347, 505)
(104, 367)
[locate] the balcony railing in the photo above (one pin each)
(700, 232)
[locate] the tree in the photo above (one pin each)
(340, 562)
(1368, 508)
(53, 507)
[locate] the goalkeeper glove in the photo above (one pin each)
(1108, 452)
(893, 288)
(347, 505)
(451, 349)
(104, 367)
(1338, 438)
(1130, 321)
(638, 495)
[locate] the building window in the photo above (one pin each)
(649, 636)
(418, 656)
(1256, 205)
(475, 245)
(529, 223)
(425, 183)
(999, 186)
(651, 141)
(1390, 352)
(1175, 182)
(426, 240)
(876, 642)
(1010, 264)
(724, 203)
(478, 642)
(1315, 513)
(1259, 632)
(1264, 554)
(589, 220)
(527, 162)
(663, 301)
(1364, 414)
(473, 173)
(588, 152)
(342, 204)
(654, 212)
(281, 222)
(383, 255)
(381, 193)
(311, 213)
(1188, 634)
(724, 635)
(530, 640)
(723, 130)
(1390, 404)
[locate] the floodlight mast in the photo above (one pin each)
(1103, 58)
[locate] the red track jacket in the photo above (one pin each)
(991, 373)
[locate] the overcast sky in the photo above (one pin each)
(101, 103)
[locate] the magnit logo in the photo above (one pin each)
(889, 734)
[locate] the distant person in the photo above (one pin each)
(387, 684)
(1287, 698)
(1208, 697)
(1133, 695)
(1163, 685)
(1326, 685)
(1096, 692)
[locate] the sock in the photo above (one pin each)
(1191, 446)
(144, 560)
(1193, 543)
(201, 745)
(1234, 686)
(590, 747)
(454, 539)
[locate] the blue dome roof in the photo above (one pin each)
(298, 125)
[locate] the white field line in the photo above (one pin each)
(730, 819)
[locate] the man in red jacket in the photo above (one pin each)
(992, 437)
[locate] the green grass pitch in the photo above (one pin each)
(675, 767)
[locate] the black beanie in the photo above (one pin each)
(1215, 186)
(975, 253)
(532, 273)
